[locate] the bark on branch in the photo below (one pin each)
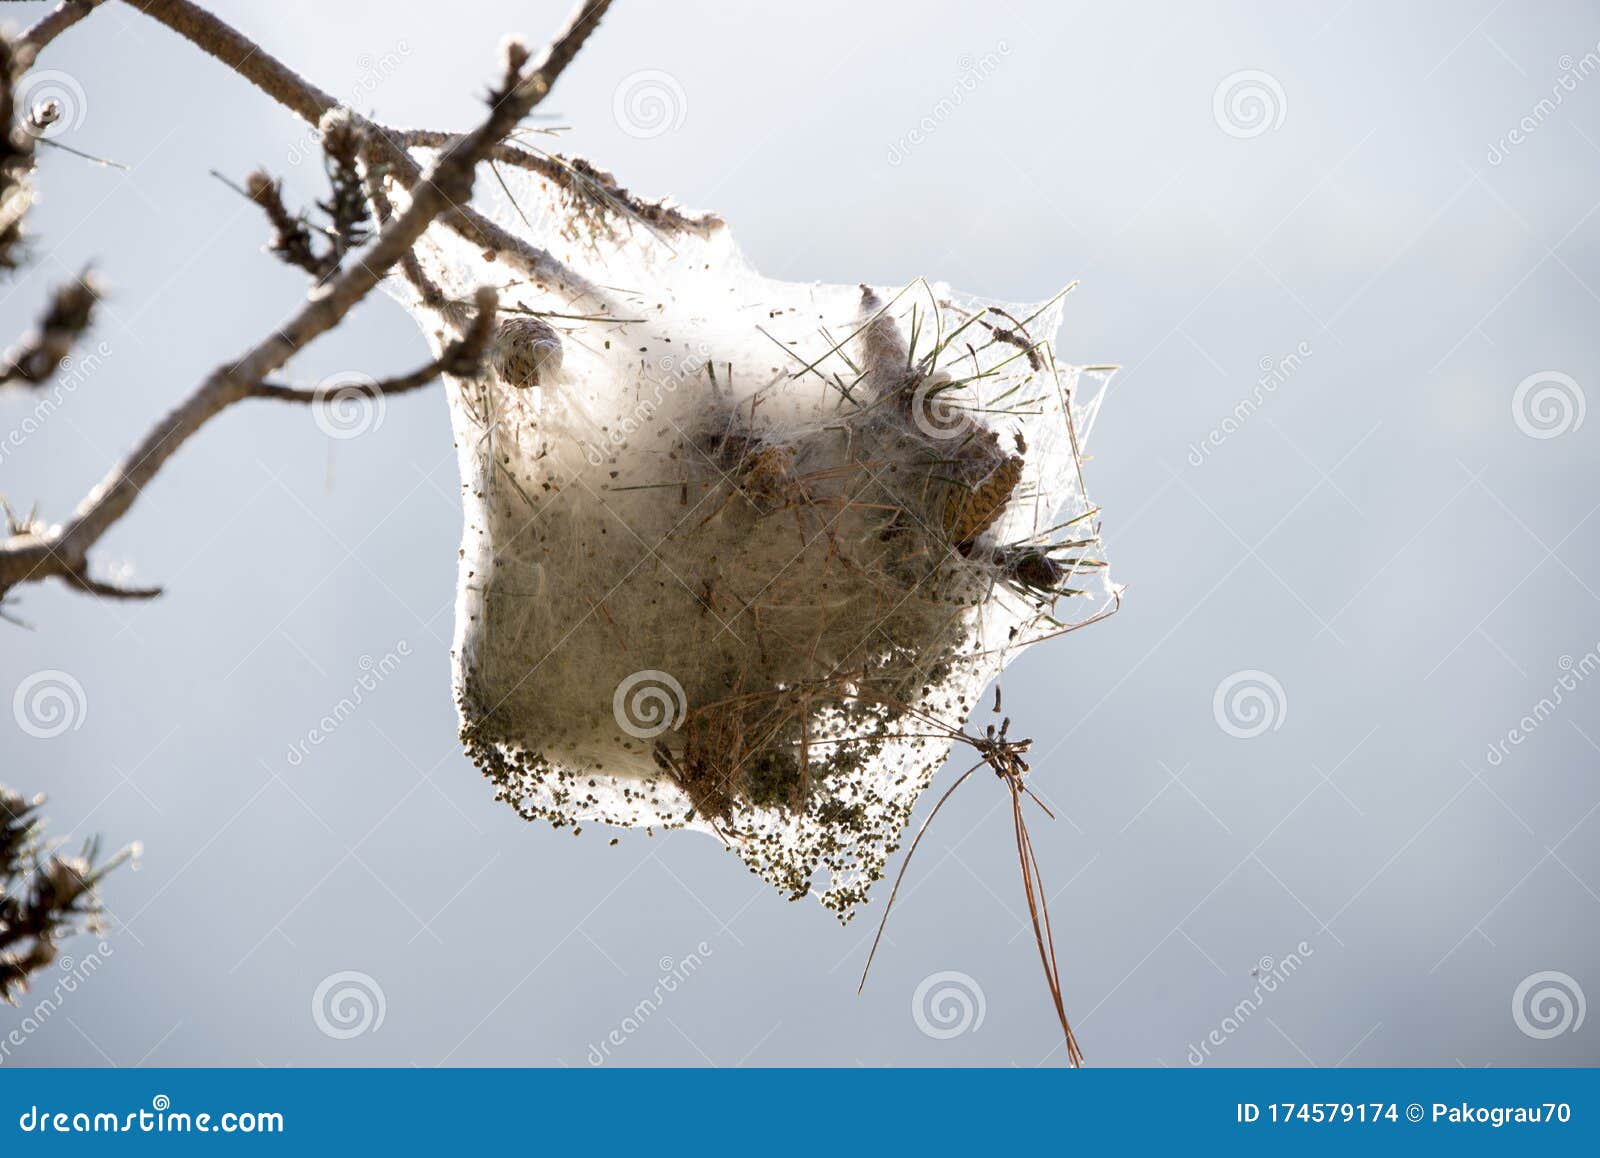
(306, 100)
(62, 551)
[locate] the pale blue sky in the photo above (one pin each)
(1380, 536)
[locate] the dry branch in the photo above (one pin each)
(306, 100)
(62, 551)
(462, 358)
(581, 179)
(36, 358)
(65, 15)
(16, 156)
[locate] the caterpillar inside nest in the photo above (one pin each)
(731, 543)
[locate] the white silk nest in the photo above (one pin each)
(741, 555)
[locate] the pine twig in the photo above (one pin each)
(36, 358)
(62, 551)
(45, 897)
(461, 358)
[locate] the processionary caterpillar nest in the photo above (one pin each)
(731, 543)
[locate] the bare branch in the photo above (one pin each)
(66, 14)
(582, 180)
(347, 211)
(288, 88)
(101, 589)
(430, 294)
(349, 217)
(16, 157)
(462, 358)
(63, 550)
(35, 359)
(291, 236)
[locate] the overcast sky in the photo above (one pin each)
(1395, 546)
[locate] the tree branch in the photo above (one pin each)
(35, 359)
(16, 157)
(288, 88)
(580, 178)
(462, 358)
(66, 14)
(62, 551)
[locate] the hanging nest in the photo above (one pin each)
(731, 542)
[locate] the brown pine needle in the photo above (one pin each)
(905, 864)
(1004, 756)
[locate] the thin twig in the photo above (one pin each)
(280, 82)
(579, 177)
(462, 358)
(16, 157)
(65, 15)
(36, 358)
(62, 551)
